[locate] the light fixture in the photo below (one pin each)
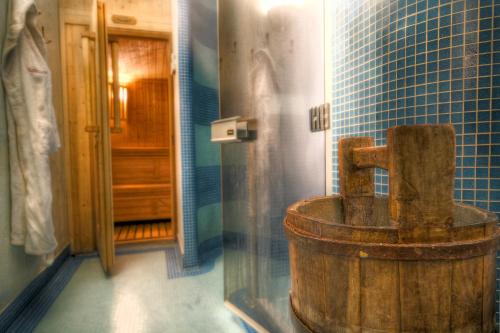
(123, 97)
(123, 102)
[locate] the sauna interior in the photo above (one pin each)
(141, 138)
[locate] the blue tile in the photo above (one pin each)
(432, 35)
(431, 109)
(445, 21)
(483, 150)
(445, 10)
(495, 172)
(470, 117)
(484, 93)
(485, 24)
(487, 35)
(451, 73)
(495, 195)
(205, 102)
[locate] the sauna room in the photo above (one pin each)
(249, 166)
(116, 100)
(143, 167)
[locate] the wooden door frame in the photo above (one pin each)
(114, 32)
(81, 17)
(105, 225)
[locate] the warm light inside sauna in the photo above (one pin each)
(123, 97)
(123, 102)
(266, 5)
(125, 78)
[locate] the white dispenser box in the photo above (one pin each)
(229, 130)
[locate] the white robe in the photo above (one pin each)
(32, 130)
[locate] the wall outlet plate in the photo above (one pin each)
(320, 117)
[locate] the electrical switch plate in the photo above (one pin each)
(320, 117)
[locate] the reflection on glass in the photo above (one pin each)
(271, 70)
(266, 5)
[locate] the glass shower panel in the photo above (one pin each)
(271, 70)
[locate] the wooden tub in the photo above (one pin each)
(348, 278)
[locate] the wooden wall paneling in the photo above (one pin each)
(142, 202)
(141, 166)
(145, 68)
(147, 123)
(123, 31)
(73, 8)
(71, 13)
(151, 15)
(144, 58)
(141, 184)
(86, 203)
(79, 144)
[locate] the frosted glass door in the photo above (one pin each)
(271, 70)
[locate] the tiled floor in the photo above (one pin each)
(140, 298)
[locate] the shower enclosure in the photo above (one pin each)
(271, 71)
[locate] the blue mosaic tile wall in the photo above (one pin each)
(185, 71)
(198, 68)
(206, 110)
(422, 62)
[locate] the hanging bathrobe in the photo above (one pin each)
(32, 130)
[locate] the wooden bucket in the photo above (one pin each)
(359, 278)
(361, 263)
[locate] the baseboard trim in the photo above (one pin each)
(17, 306)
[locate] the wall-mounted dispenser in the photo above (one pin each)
(234, 129)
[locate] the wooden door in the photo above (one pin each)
(95, 63)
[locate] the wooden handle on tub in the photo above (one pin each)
(421, 164)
